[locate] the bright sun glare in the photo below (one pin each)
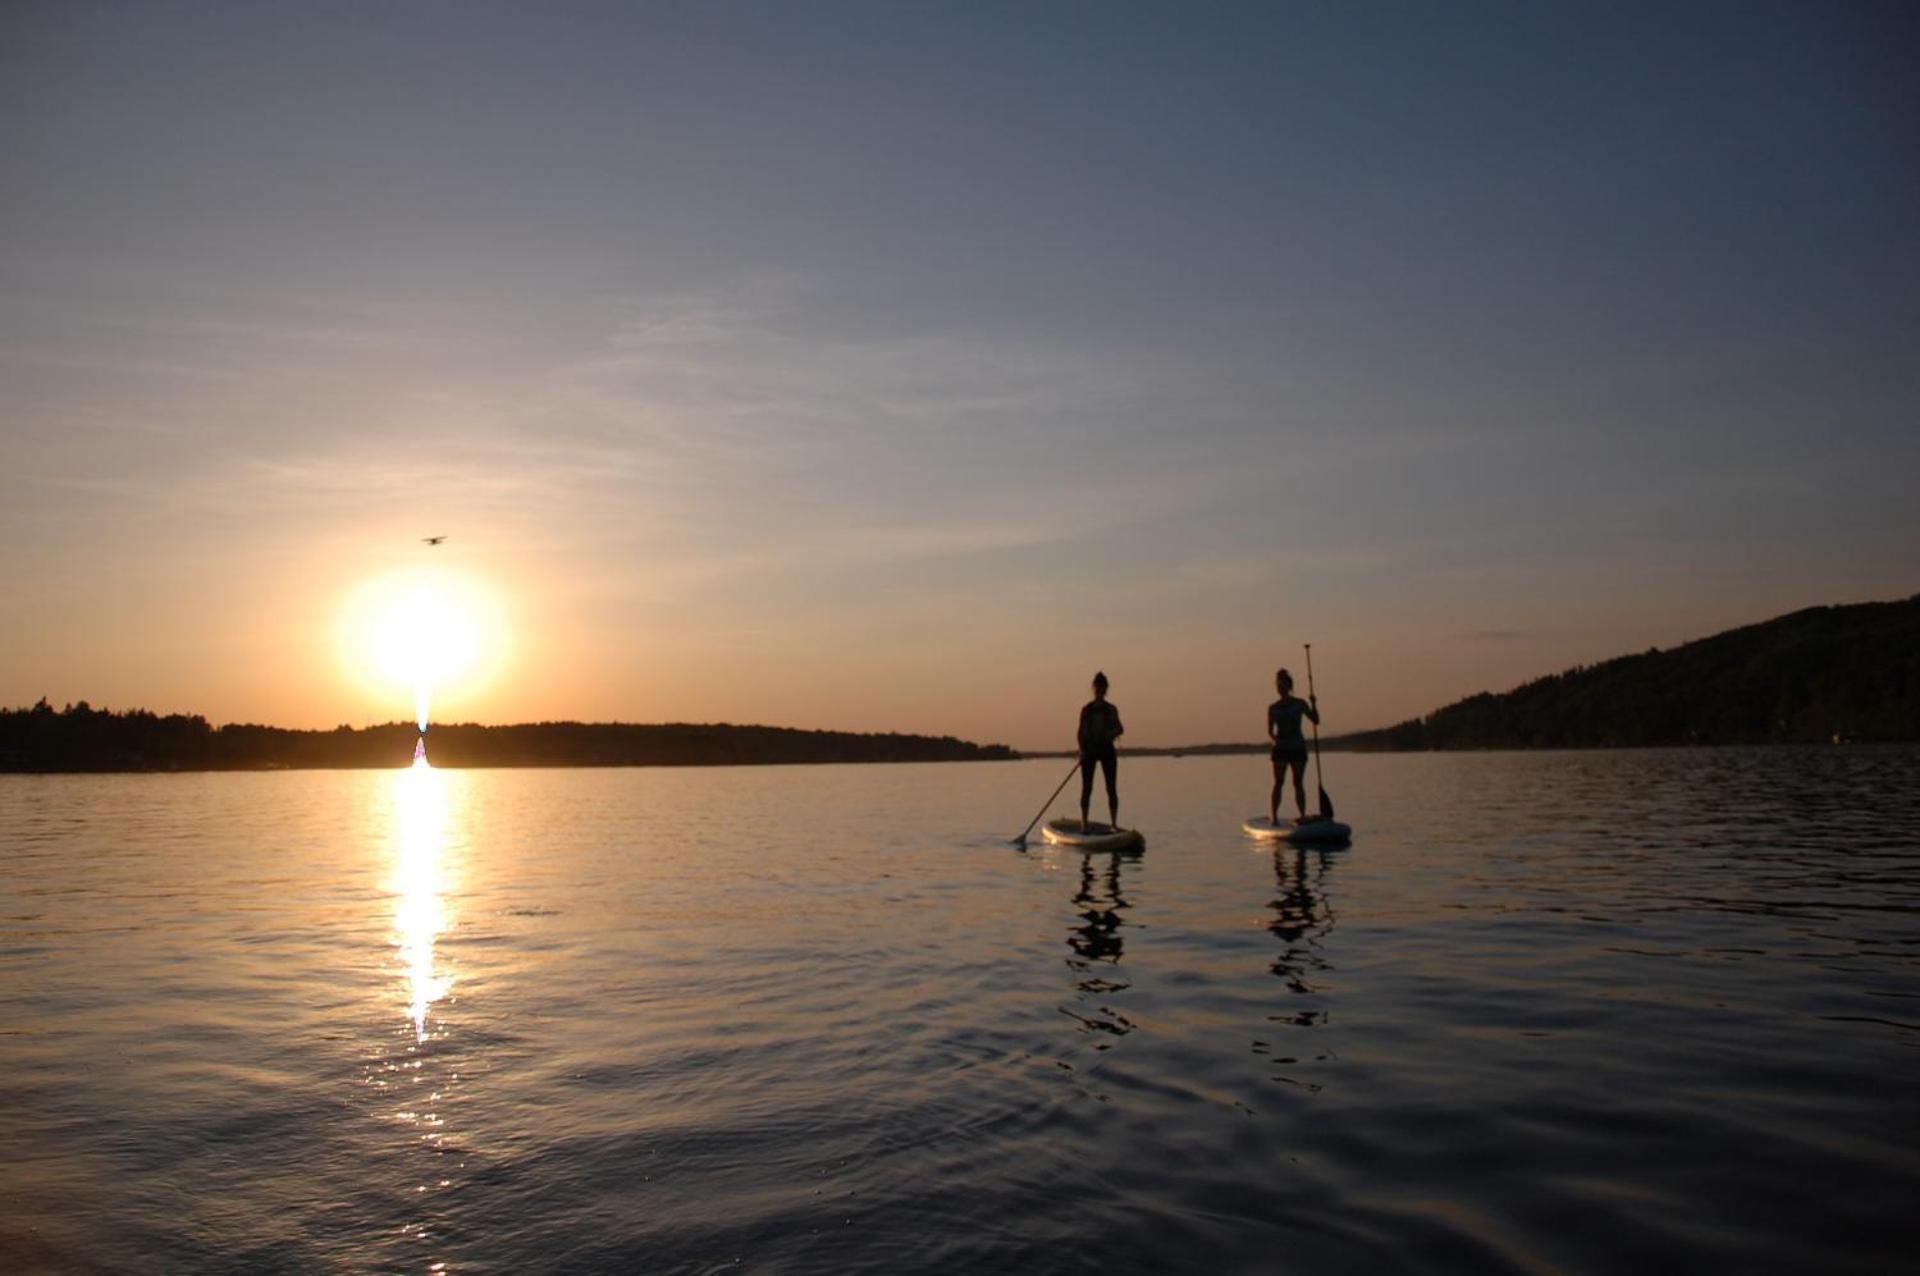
(418, 633)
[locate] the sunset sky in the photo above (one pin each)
(896, 366)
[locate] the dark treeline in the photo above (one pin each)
(1826, 673)
(81, 738)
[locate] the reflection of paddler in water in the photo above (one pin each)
(1300, 917)
(1289, 744)
(1099, 728)
(1097, 946)
(1098, 937)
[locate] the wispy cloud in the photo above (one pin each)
(753, 374)
(749, 399)
(709, 436)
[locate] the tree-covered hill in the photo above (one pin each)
(1849, 673)
(81, 738)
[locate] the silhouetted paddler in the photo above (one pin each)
(1289, 744)
(1099, 728)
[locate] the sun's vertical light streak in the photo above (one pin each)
(426, 626)
(429, 633)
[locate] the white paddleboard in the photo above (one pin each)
(1299, 832)
(1065, 831)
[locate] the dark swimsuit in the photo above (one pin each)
(1291, 747)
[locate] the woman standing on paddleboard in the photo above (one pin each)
(1289, 745)
(1099, 728)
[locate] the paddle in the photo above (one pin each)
(1326, 803)
(1021, 841)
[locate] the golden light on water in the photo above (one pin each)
(422, 632)
(419, 918)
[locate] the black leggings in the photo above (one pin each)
(1109, 762)
(1289, 759)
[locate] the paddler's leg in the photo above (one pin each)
(1279, 778)
(1298, 762)
(1086, 788)
(1109, 764)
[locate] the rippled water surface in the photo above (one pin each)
(1550, 1012)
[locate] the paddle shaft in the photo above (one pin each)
(1319, 775)
(1022, 839)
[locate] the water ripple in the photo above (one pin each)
(1551, 1012)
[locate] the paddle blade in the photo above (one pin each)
(1326, 806)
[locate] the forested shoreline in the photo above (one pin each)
(1821, 675)
(79, 737)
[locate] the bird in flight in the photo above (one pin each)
(431, 540)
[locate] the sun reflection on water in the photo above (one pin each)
(415, 1080)
(419, 917)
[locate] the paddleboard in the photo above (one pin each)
(1098, 837)
(1311, 829)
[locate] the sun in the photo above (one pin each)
(420, 633)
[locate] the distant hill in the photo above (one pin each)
(1849, 673)
(81, 738)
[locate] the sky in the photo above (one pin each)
(896, 366)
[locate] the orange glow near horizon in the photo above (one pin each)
(422, 632)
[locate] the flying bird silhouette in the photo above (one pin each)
(431, 540)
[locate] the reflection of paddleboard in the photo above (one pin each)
(1065, 831)
(1311, 829)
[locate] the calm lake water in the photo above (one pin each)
(1550, 1012)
